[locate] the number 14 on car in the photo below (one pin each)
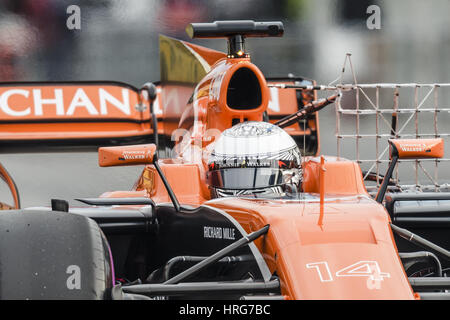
(370, 269)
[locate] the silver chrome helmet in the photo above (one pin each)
(254, 158)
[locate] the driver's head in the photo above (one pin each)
(254, 158)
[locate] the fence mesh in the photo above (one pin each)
(367, 115)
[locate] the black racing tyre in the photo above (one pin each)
(53, 255)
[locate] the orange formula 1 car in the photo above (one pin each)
(235, 200)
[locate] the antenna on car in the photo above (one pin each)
(322, 191)
(236, 31)
(150, 88)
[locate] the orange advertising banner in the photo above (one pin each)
(72, 110)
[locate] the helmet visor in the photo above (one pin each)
(245, 178)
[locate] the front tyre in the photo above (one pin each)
(53, 255)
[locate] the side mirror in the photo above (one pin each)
(126, 155)
(416, 148)
(134, 155)
(409, 149)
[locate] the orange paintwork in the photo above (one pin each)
(355, 228)
(209, 108)
(322, 189)
(341, 176)
(4, 175)
(194, 192)
(79, 110)
(126, 155)
(209, 55)
(350, 255)
(283, 102)
(170, 104)
(333, 242)
(124, 194)
(101, 110)
(418, 148)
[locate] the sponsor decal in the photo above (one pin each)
(219, 233)
(365, 269)
(135, 155)
(413, 147)
(64, 102)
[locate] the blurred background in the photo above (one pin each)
(118, 40)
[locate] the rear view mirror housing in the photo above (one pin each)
(126, 155)
(409, 149)
(416, 148)
(135, 155)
